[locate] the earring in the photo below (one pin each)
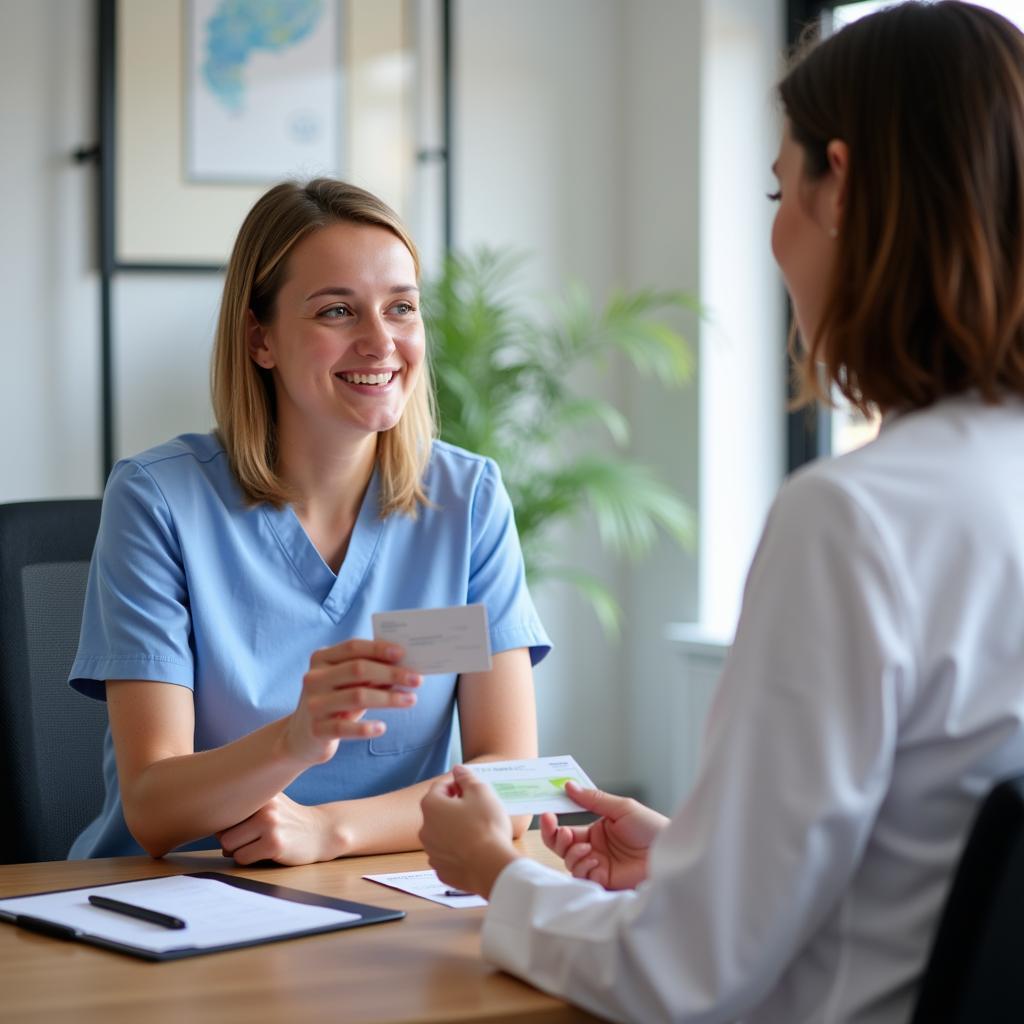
(833, 232)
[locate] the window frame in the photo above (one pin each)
(808, 431)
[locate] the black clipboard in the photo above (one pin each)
(367, 915)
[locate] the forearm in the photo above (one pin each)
(390, 822)
(179, 799)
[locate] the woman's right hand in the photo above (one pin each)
(342, 684)
(613, 850)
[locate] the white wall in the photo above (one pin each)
(701, 132)
(50, 412)
(49, 347)
(742, 421)
(539, 169)
(163, 330)
(661, 42)
(537, 121)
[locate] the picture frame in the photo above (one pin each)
(174, 206)
(263, 91)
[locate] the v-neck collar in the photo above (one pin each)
(334, 592)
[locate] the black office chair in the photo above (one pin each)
(974, 973)
(51, 738)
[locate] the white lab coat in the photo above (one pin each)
(873, 694)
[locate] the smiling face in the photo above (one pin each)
(346, 341)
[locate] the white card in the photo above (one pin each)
(429, 886)
(535, 785)
(438, 640)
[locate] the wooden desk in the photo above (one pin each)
(425, 968)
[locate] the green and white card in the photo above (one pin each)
(534, 786)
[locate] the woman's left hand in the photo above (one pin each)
(283, 831)
(466, 833)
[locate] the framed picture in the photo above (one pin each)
(262, 90)
(213, 101)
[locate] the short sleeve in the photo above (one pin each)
(136, 622)
(497, 574)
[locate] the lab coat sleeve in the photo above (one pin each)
(797, 759)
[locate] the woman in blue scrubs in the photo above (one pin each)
(234, 576)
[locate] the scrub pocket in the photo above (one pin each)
(423, 724)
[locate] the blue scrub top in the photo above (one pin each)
(190, 585)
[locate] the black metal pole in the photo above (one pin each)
(107, 51)
(808, 431)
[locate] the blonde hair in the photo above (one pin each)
(243, 392)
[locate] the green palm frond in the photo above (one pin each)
(579, 412)
(628, 502)
(653, 348)
(506, 387)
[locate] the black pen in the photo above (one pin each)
(142, 913)
(458, 892)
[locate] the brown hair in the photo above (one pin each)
(243, 393)
(927, 297)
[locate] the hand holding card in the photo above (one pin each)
(438, 640)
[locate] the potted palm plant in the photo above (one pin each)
(508, 386)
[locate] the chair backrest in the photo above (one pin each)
(974, 971)
(51, 738)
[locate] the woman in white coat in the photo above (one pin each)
(875, 689)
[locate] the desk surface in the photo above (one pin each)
(425, 968)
